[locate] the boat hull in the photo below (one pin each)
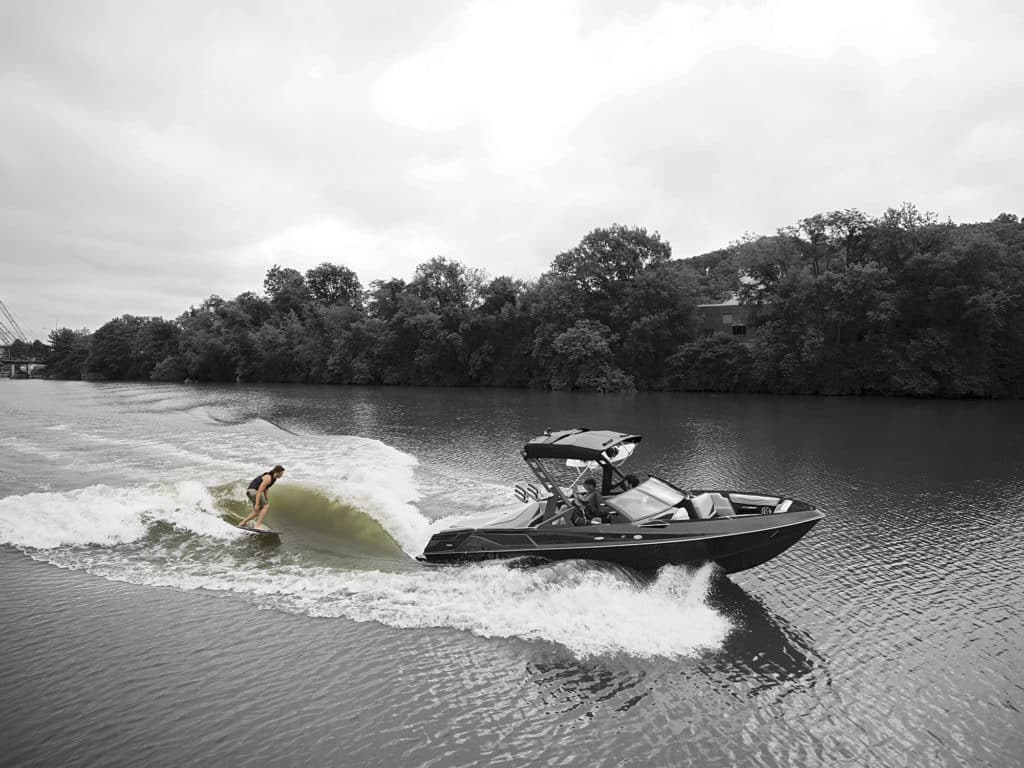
(735, 543)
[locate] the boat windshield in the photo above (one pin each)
(651, 498)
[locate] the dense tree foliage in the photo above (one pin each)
(901, 305)
(68, 351)
(23, 350)
(839, 303)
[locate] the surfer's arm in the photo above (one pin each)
(262, 492)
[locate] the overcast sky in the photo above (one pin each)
(154, 153)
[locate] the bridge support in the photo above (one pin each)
(16, 369)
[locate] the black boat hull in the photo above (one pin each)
(735, 544)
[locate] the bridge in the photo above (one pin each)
(12, 336)
(20, 368)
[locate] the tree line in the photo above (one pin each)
(24, 350)
(839, 303)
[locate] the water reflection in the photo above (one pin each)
(763, 650)
(568, 686)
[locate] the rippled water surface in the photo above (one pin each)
(140, 628)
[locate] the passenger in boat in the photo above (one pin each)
(593, 503)
(258, 493)
(628, 482)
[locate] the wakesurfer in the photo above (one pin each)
(258, 494)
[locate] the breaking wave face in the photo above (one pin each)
(348, 507)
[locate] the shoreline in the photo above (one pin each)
(574, 392)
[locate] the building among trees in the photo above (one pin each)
(728, 317)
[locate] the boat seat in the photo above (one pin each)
(522, 517)
(723, 507)
(703, 505)
(750, 500)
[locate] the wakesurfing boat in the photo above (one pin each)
(646, 523)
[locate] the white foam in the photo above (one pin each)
(103, 515)
(365, 473)
(374, 477)
(589, 610)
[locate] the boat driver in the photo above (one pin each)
(593, 503)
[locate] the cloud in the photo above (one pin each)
(154, 154)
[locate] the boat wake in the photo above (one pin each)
(351, 521)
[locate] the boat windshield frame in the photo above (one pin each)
(647, 501)
(578, 449)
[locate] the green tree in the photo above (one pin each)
(155, 340)
(656, 314)
(68, 351)
(448, 283)
(623, 279)
(216, 342)
(23, 350)
(716, 275)
(582, 359)
(366, 351)
(110, 353)
(950, 311)
(287, 290)
(334, 284)
(837, 303)
(385, 297)
(498, 337)
(608, 257)
(287, 352)
(717, 364)
(591, 280)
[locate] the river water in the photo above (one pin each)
(139, 628)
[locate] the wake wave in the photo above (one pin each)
(141, 474)
(348, 508)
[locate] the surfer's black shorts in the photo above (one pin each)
(251, 493)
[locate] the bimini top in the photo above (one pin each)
(585, 444)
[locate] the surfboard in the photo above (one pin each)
(259, 532)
